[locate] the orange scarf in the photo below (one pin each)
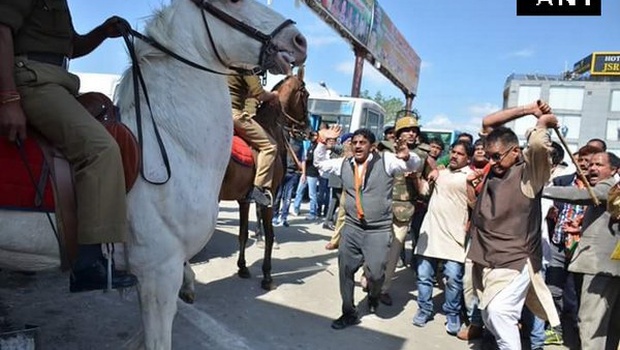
(359, 184)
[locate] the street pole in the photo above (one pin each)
(357, 73)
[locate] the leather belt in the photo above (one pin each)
(49, 58)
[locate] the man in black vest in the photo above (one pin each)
(367, 181)
(506, 221)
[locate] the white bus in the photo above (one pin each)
(352, 113)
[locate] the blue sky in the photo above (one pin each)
(467, 47)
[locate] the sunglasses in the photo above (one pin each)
(498, 157)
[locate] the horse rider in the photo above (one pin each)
(37, 38)
(246, 92)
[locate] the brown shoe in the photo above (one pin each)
(470, 332)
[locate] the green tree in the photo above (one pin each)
(392, 105)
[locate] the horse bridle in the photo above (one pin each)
(269, 48)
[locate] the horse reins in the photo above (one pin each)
(267, 50)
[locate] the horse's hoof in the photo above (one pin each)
(267, 285)
(187, 297)
(244, 273)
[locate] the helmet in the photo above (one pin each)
(406, 122)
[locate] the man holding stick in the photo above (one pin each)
(506, 221)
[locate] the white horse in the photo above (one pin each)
(172, 222)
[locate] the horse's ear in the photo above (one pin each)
(300, 72)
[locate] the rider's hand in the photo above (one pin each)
(12, 121)
(115, 26)
(274, 99)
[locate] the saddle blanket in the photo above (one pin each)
(241, 152)
(17, 186)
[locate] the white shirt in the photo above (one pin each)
(393, 165)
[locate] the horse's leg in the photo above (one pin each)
(158, 290)
(258, 231)
(187, 292)
(266, 213)
(244, 213)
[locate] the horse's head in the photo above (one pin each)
(294, 101)
(230, 34)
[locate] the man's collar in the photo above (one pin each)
(367, 159)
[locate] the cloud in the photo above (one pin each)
(370, 74)
(316, 90)
(470, 122)
(439, 121)
(480, 110)
(322, 40)
(320, 34)
(425, 65)
(523, 53)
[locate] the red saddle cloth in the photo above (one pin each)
(17, 186)
(241, 152)
(17, 190)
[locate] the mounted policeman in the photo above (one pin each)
(37, 39)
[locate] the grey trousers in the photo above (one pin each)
(49, 100)
(358, 247)
(599, 312)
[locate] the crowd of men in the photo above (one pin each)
(512, 231)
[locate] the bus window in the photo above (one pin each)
(372, 122)
(349, 112)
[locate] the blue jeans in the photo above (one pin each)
(453, 271)
(535, 324)
(284, 196)
(323, 196)
(312, 183)
(299, 193)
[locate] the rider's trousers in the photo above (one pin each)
(48, 95)
(257, 138)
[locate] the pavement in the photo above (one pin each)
(230, 312)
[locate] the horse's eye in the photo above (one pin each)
(234, 1)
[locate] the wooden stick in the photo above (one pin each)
(581, 176)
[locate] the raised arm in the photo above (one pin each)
(504, 116)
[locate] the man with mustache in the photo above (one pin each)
(367, 181)
(599, 311)
(506, 221)
(442, 238)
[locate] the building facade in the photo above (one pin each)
(587, 106)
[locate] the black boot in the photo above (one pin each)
(90, 272)
(262, 196)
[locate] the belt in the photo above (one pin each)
(49, 58)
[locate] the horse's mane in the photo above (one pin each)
(157, 27)
(279, 84)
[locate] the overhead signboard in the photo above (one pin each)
(366, 25)
(599, 63)
(583, 65)
(392, 50)
(605, 63)
(355, 16)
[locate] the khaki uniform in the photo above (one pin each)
(243, 93)
(404, 195)
(48, 97)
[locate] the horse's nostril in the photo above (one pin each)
(300, 41)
